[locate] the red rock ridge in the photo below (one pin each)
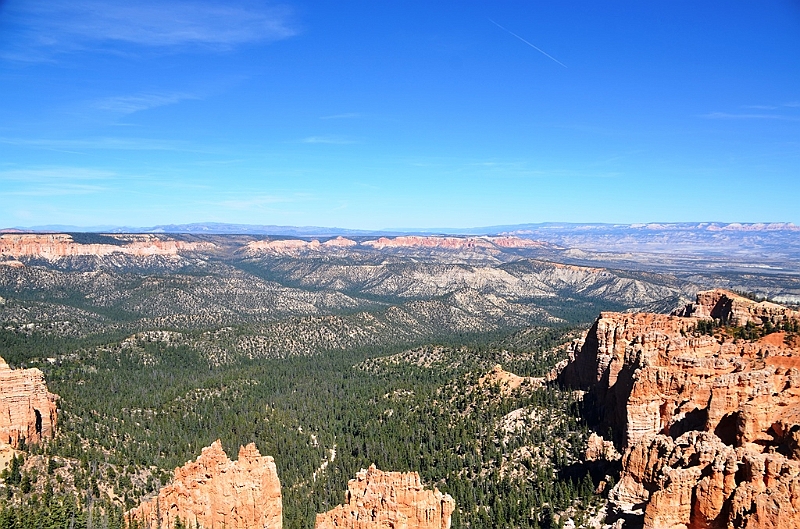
(27, 409)
(214, 491)
(709, 426)
(58, 245)
(383, 500)
(293, 246)
(453, 243)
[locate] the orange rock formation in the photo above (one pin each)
(57, 245)
(383, 500)
(508, 381)
(709, 425)
(27, 409)
(452, 243)
(294, 246)
(215, 492)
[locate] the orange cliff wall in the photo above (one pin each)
(59, 245)
(27, 409)
(709, 425)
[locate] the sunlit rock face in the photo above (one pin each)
(59, 245)
(709, 425)
(214, 491)
(383, 500)
(27, 409)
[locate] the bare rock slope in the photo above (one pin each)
(27, 409)
(709, 422)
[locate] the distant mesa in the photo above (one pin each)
(453, 243)
(379, 500)
(293, 246)
(705, 406)
(214, 491)
(27, 408)
(411, 242)
(58, 245)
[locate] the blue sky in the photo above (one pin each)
(398, 114)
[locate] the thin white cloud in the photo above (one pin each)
(333, 140)
(54, 174)
(55, 181)
(254, 202)
(135, 103)
(345, 115)
(729, 115)
(63, 25)
(49, 190)
(121, 144)
(760, 107)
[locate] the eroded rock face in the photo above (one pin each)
(452, 243)
(733, 309)
(58, 245)
(709, 425)
(214, 491)
(295, 246)
(27, 409)
(397, 500)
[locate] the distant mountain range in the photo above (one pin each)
(529, 230)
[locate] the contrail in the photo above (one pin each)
(528, 43)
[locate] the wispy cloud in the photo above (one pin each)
(55, 173)
(254, 202)
(134, 103)
(760, 107)
(333, 140)
(780, 112)
(55, 181)
(346, 115)
(107, 143)
(731, 115)
(63, 25)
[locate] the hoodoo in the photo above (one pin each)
(27, 409)
(705, 405)
(383, 500)
(214, 491)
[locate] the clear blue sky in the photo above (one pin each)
(382, 114)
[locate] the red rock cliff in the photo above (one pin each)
(709, 424)
(27, 409)
(383, 500)
(58, 245)
(215, 492)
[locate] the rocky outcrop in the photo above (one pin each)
(709, 424)
(508, 381)
(452, 243)
(383, 500)
(27, 409)
(295, 246)
(215, 492)
(732, 309)
(58, 245)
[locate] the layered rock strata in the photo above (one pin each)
(215, 492)
(383, 500)
(27, 409)
(58, 245)
(709, 425)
